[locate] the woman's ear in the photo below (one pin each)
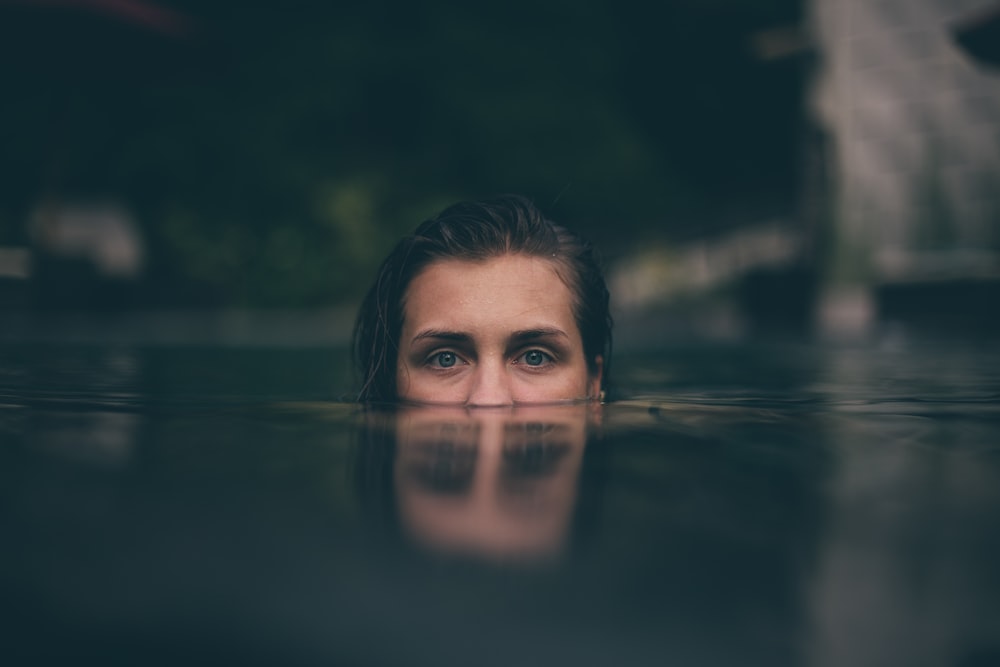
(594, 382)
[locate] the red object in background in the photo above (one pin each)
(94, 40)
(137, 12)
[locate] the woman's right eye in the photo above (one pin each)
(443, 359)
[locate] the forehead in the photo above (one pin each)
(458, 293)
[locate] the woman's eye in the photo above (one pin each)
(444, 359)
(535, 358)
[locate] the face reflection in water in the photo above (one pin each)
(501, 485)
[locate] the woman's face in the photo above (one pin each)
(491, 333)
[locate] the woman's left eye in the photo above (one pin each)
(444, 359)
(535, 358)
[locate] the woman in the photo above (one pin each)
(487, 304)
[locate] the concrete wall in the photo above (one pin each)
(914, 129)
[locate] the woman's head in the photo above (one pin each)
(486, 303)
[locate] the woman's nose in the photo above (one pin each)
(490, 386)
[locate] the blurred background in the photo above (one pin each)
(744, 165)
(798, 202)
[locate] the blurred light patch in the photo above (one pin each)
(15, 262)
(895, 265)
(103, 233)
(99, 438)
(846, 312)
(780, 42)
(660, 274)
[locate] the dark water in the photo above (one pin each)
(764, 504)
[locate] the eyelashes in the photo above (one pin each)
(445, 359)
(533, 358)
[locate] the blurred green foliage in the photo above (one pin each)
(292, 144)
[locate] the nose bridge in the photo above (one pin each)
(490, 384)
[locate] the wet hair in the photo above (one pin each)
(475, 231)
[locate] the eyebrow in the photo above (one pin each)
(437, 334)
(523, 336)
(534, 334)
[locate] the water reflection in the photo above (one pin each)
(497, 485)
(837, 510)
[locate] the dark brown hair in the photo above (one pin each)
(476, 231)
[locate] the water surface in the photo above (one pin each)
(773, 504)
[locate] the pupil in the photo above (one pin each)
(534, 358)
(446, 359)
